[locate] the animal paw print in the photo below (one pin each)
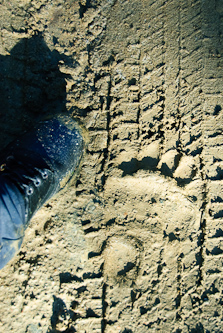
(172, 163)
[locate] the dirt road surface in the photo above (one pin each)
(134, 243)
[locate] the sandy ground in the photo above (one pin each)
(135, 242)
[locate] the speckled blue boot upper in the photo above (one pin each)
(43, 159)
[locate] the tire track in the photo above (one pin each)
(212, 158)
(145, 78)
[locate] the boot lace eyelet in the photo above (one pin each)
(29, 191)
(2, 167)
(45, 174)
(37, 182)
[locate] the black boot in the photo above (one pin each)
(34, 168)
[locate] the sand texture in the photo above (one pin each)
(134, 243)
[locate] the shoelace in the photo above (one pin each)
(22, 175)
